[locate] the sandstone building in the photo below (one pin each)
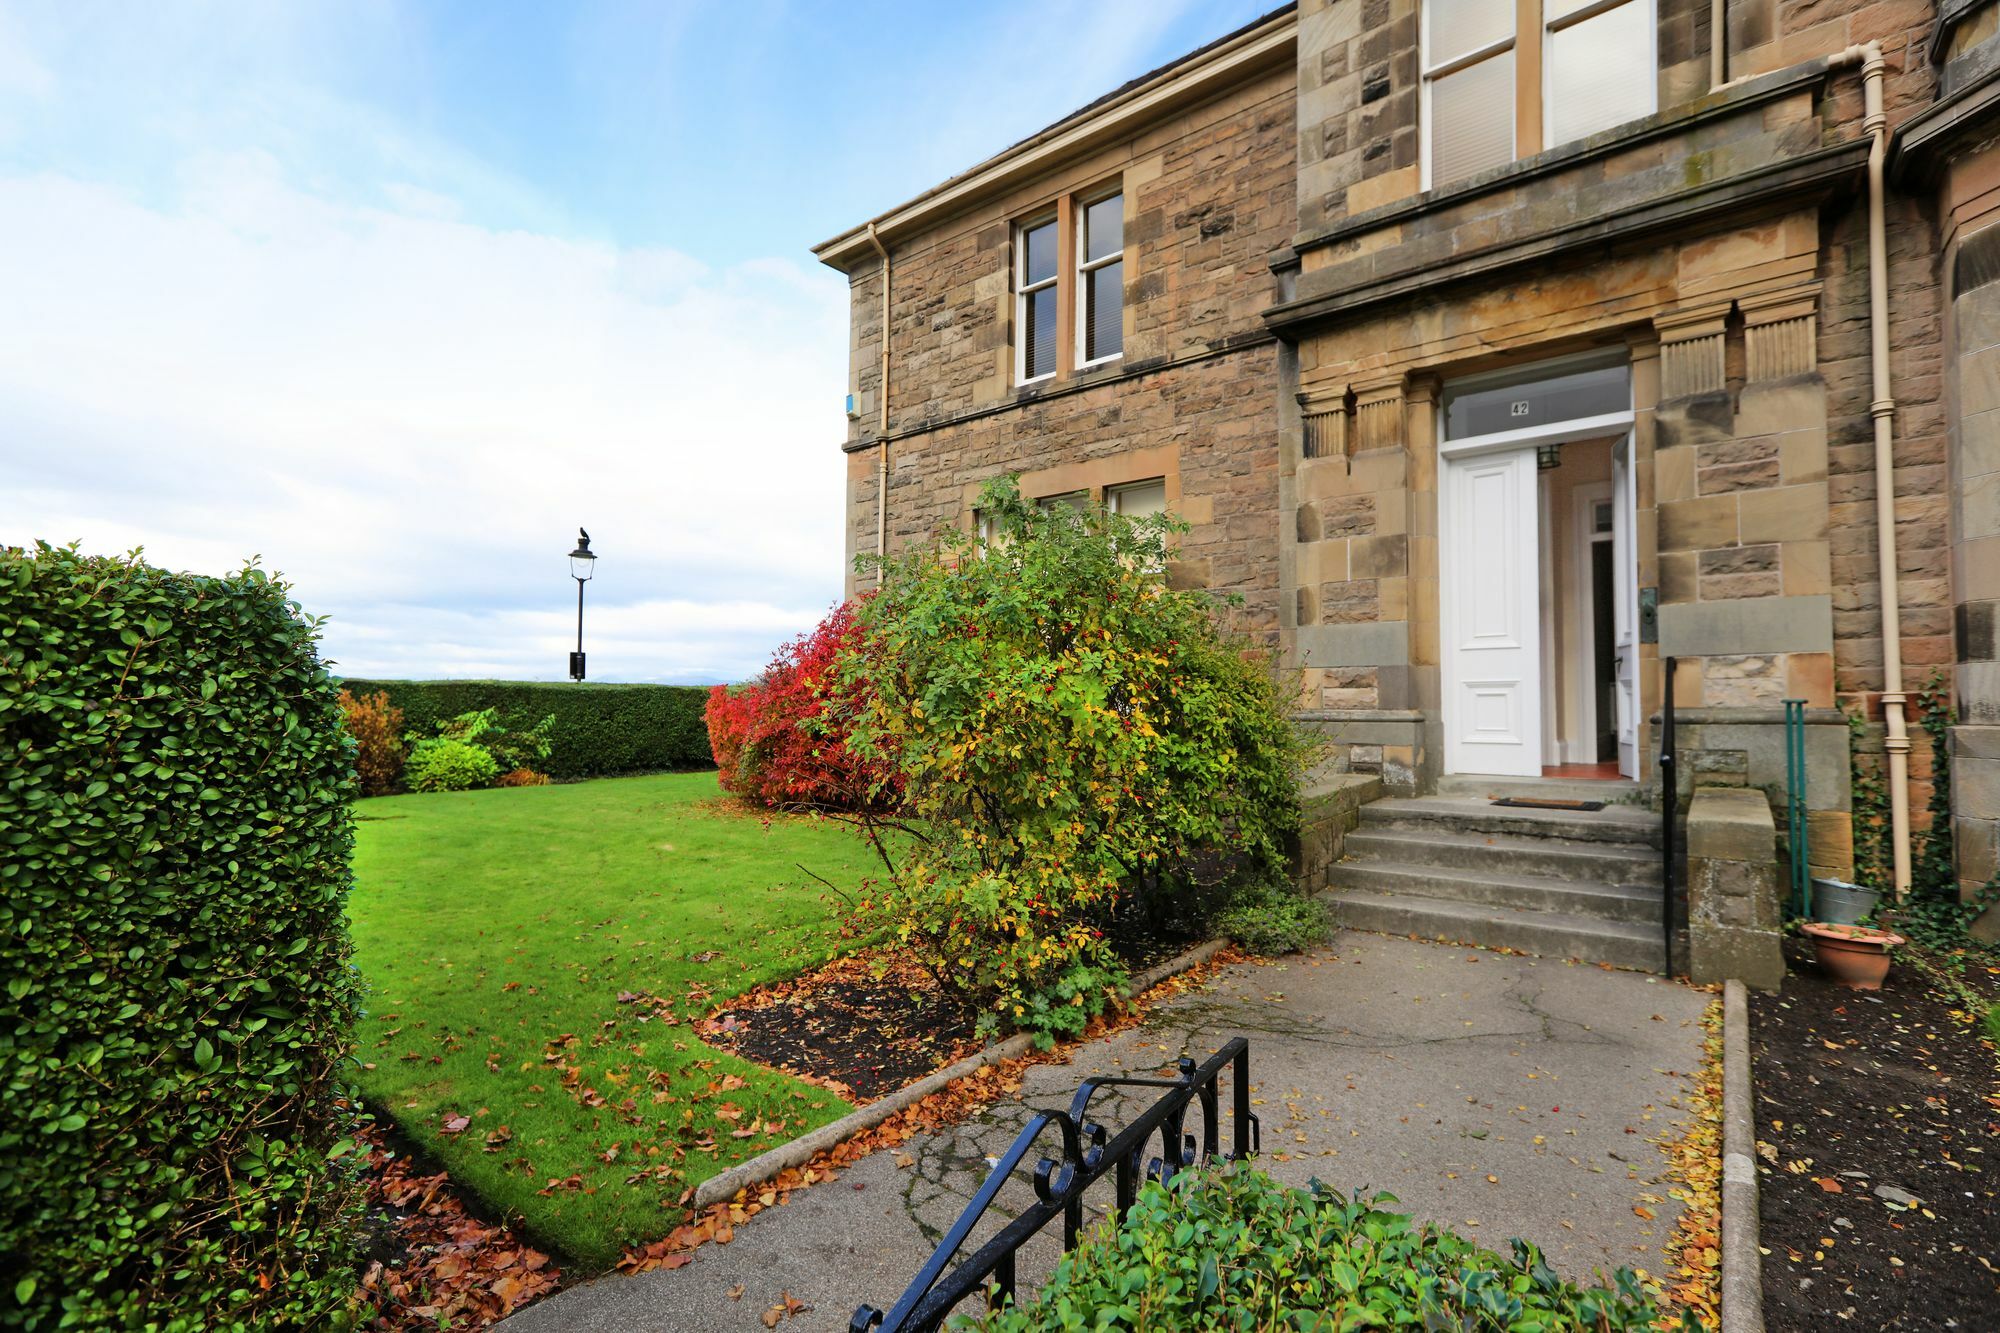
(1498, 353)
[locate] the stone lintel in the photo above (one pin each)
(1748, 625)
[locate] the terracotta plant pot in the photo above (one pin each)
(1856, 956)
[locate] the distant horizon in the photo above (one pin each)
(395, 297)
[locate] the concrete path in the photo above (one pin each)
(1502, 1096)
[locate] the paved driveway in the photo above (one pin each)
(1502, 1096)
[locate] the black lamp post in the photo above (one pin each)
(581, 564)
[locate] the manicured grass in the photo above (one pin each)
(493, 926)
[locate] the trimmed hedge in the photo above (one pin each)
(175, 790)
(600, 729)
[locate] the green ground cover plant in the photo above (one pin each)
(599, 729)
(1233, 1249)
(174, 796)
(534, 958)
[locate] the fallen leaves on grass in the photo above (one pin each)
(1694, 1163)
(454, 1270)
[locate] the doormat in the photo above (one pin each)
(1536, 803)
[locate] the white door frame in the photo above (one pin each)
(1528, 437)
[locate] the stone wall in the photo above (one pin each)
(1734, 905)
(1209, 197)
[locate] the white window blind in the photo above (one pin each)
(1101, 277)
(1600, 67)
(1468, 64)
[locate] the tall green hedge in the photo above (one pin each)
(174, 797)
(600, 729)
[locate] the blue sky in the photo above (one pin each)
(395, 295)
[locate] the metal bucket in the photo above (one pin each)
(1839, 903)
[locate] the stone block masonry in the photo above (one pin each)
(1732, 884)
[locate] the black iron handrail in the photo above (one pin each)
(1088, 1154)
(1670, 801)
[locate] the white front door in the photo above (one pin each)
(1491, 596)
(1625, 626)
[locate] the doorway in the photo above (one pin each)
(1538, 574)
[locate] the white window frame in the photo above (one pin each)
(1086, 266)
(1113, 495)
(1429, 74)
(1550, 27)
(1023, 334)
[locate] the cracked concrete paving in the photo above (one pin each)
(1499, 1095)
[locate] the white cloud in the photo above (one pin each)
(409, 415)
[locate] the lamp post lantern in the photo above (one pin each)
(581, 565)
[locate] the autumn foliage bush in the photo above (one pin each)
(377, 728)
(781, 740)
(1078, 745)
(174, 798)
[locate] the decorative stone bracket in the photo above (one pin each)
(1780, 334)
(1324, 415)
(1691, 349)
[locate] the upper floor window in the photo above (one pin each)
(1035, 300)
(1101, 279)
(1069, 287)
(1504, 80)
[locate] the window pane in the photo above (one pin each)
(1454, 27)
(1039, 357)
(1601, 72)
(1537, 402)
(1141, 499)
(1040, 259)
(1104, 228)
(1472, 119)
(1104, 320)
(1067, 500)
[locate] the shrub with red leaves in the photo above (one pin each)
(780, 740)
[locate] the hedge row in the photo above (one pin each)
(174, 804)
(600, 729)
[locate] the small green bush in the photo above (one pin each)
(1233, 1249)
(1273, 918)
(599, 729)
(174, 802)
(446, 763)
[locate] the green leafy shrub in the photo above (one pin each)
(1077, 744)
(1233, 1249)
(377, 728)
(512, 745)
(1270, 918)
(447, 763)
(599, 729)
(174, 797)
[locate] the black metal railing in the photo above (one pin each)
(1670, 803)
(1089, 1153)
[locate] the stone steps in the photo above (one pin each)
(1566, 884)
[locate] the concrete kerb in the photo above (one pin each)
(797, 1152)
(1742, 1261)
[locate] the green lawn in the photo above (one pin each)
(493, 926)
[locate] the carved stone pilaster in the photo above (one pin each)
(1691, 349)
(1323, 414)
(1780, 333)
(1378, 416)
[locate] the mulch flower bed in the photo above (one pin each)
(863, 1026)
(1878, 1122)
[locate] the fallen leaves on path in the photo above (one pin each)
(1694, 1163)
(455, 1270)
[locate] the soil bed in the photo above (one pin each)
(863, 1035)
(847, 1029)
(1879, 1134)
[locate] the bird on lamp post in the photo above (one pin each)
(581, 565)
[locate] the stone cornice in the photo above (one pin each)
(1914, 151)
(1811, 175)
(1682, 119)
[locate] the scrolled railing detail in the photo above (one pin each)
(1089, 1153)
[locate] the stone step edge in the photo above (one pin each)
(1577, 825)
(766, 1165)
(1563, 923)
(1648, 894)
(1637, 853)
